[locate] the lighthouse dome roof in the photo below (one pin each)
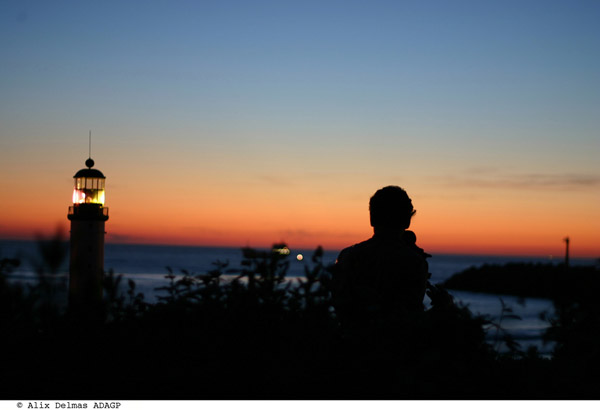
(89, 172)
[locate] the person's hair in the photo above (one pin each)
(390, 207)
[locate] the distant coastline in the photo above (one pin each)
(537, 280)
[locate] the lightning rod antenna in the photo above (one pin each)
(90, 162)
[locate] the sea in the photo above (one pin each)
(148, 265)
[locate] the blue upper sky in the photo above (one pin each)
(338, 66)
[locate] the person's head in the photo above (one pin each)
(391, 208)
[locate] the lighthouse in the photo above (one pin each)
(87, 215)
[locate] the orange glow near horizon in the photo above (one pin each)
(304, 222)
(236, 210)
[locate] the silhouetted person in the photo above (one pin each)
(385, 276)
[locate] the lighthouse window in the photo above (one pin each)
(88, 190)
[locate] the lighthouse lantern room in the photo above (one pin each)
(89, 186)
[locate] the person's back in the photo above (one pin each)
(387, 274)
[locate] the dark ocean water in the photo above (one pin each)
(147, 266)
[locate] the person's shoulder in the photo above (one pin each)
(356, 249)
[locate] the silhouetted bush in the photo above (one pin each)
(251, 332)
(575, 328)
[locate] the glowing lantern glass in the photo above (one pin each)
(89, 187)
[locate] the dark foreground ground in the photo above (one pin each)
(254, 338)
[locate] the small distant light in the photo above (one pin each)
(282, 251)
(299, 257)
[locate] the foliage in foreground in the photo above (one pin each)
(251, 332)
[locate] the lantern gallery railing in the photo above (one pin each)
(86, 210)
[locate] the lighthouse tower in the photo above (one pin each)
(87, 215)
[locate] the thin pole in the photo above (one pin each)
(567, 240)
(90, 148)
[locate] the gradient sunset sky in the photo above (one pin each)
(250, 122)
